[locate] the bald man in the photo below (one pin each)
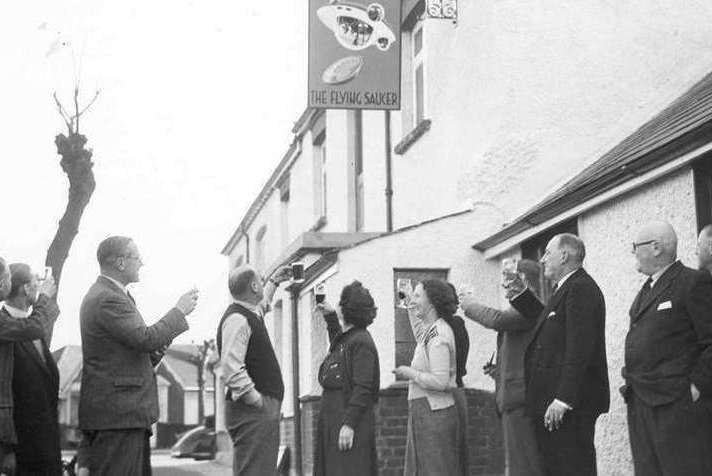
(565, 365)
(704, 249)
(251, 372)
(668, 361)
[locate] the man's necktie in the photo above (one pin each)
(646, 288)
(644, 292)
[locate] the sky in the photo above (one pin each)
(197, 101)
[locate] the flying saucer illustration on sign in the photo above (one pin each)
(356, 27)
(343, 70)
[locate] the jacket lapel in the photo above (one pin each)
(30, 349)
(640, 306)
(554, 301)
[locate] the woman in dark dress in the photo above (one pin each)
(349, 375)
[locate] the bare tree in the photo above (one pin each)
(201, 360)
(76, 163)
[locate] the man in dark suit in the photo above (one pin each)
(668, 361)
(15, 330)
(35, 385)
(513, 335)
(565, 363)
(119, 399)
(704, 249)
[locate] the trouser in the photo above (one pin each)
(521, 453)
(569, 450)
(116, 452)
(672, 439)
(255, 436)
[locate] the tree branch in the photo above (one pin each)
(76, 109)
(96, 95)
(67, 119)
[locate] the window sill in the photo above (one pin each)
(412, 137)
(320, 223)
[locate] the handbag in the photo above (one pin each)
(332, 373)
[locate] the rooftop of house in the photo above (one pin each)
(679, 128)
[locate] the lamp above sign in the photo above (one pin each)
(441, 9)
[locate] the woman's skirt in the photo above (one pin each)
(360, 460)
(434, 445)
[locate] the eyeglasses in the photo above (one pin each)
(136, 257)
(642, 243)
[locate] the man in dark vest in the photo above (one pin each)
(251, 372)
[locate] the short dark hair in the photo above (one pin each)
(532, 274)
(441, 295)
(357, 305)
(240, 280)
(112, 248)
(21, 274)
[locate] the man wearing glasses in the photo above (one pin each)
(119, 399)
(668, 361)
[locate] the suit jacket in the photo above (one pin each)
(566, 358)
(669, 344)
(35, 387)
(12, 329)
(118, 382)
(514, 334)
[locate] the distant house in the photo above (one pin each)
(178, 402)
(178, 392)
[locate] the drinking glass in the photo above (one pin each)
(405, 289)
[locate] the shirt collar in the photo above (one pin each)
(119, 284)
(249, 306)
(656, 276)
(15, 312)
(564, 278)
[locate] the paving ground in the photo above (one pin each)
(164, 465)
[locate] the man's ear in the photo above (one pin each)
(564, 256)
(253, 285)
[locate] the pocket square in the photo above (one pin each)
(664, 305)
(551, 314)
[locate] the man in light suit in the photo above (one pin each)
(513, 335)
(14, 330)
(119, 399)
(565, 363)
(668, 361)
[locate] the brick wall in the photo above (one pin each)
(484, 437)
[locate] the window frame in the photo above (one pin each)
(403, 338)
(418, 61)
